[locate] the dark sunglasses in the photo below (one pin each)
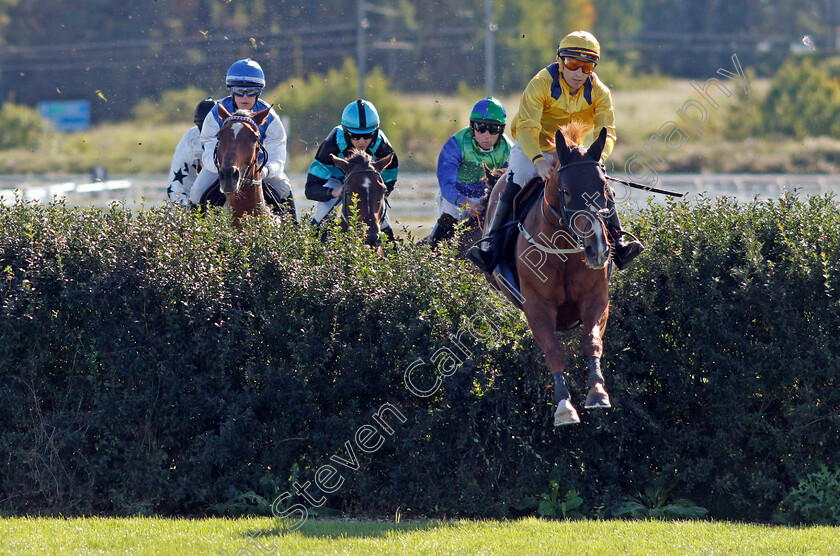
(357, 136)
(245, 91)
(574, 64)
(493, 129)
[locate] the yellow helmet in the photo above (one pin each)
(580, 44)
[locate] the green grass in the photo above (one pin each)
(527, 536)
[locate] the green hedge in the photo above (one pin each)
(164, 363)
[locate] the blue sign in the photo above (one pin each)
(66, 115)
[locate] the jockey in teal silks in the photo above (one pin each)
(359, 130)
(460, 169)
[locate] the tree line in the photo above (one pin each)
(115, 54)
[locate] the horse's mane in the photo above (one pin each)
(574, 132)
(356, 156)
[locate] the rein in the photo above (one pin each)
(345, 193)
(253, 169)
(562, 216)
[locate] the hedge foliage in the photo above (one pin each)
(162, 363)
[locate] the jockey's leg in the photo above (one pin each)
(485, 254)
(623, 252)
(324, 208)
(521, 170)
(278, 193)
(385, 225)
(444, 229)
(203, 182)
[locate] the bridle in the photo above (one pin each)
(564, 215)
(252, 169)
(345, 192)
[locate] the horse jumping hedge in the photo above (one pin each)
(158, 362)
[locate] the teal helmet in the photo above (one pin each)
(360, 117)
(488, 110)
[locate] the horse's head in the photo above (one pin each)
(364, 189)
(581, 193)
(237, 148)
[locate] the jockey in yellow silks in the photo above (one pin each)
(566, 89)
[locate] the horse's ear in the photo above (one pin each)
(597, 147)
(340, 163)
(223, 113)
(564, 153)
(259, 117)
(383, 163)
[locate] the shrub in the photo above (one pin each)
(163, 363)
(814, 501)
(22, 127)
(177, 105)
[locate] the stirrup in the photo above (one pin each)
(480, 258)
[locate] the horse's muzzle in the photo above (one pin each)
(229, 179)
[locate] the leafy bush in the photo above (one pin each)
(314, 106)
(162, 363)
(172, 105)
(22, 127)
(814, 501)
(656, 503)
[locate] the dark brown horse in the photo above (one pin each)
(561, 260)
(237, 160)
(364, 191)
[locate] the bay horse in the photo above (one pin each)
(237, 160)
(561, 258)
(365, 190)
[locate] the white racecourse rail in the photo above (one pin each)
(413, 202)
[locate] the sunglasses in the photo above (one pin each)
(574, 64)
(357, 136)
(493, 129)
(244, 91)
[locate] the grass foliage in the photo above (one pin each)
(526, 536)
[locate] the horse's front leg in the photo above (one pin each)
(542, 318)
(595, 321)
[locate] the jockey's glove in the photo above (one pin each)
(265, 172)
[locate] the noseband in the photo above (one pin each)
(346, 193)
(564, 215)
(252, 169)
(566, 212)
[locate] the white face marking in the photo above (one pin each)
(236, 127)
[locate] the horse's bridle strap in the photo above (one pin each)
(242, 119)
(550, 250)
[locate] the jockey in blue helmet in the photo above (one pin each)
(359, 129)
(245, 81)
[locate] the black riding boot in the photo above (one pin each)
(623, 252)
(485, 258)
(443, 230)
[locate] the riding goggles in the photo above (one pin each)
(575, 63)
(493, 129)
(357, 136)
(244, 91)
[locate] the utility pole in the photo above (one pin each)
(489, 50)
(361, 51)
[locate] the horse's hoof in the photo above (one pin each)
(566, 414)
(597, 398)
